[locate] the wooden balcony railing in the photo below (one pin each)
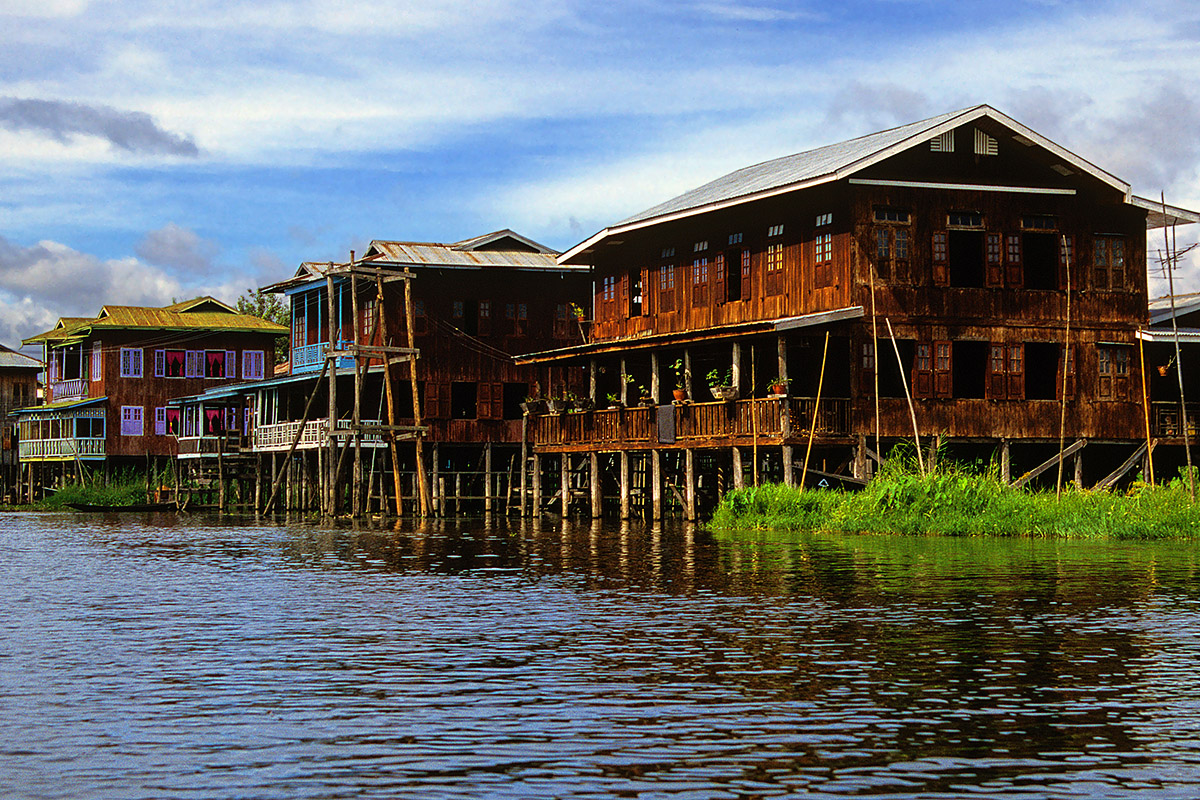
(1164, 418)
(31, 449)
(279, 437)
(308, 358)
(710, 423)
(68, 389)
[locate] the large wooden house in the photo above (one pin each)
(110, 377)
(476, 304)
(18, 388)
(963, 260)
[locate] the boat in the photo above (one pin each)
(131, 507)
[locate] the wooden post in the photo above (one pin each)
(330, 348)
(1062, 420)
(536, 510)
(654, 377)
(594, 472)
(524, 462)
(753, 416)
(736, 365)
(437, 494)
(487, 478)
(1079, 470)
(422, 483)
(739, 477)
(656, 485)
(687, 374)
(1148, 462)
(592, 383)
(785, 412)
(360, 364)
(565, 474)
(624, 384)
(689, 489)
(816, 412)
(623, 460)
(387, 391)
(1005, 461)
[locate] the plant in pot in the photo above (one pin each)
(533, 405)
(778, 386)
(681, 376)
(721, 384)
(644, 396)
(558, 405)
(614, 401)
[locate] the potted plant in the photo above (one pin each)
(614, 401)
(558, 405)
(644, 396)
(681, 376)
(533, 405)
(721, 384)
(778, 386)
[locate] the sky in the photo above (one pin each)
(156, 150)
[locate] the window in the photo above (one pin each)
(484, 326)
(191, 421)
(668, 252)
(700, 281)
(666, 287)
(214, 421)
(891, 215)
(1112, 370)
(562, 321)
(131, 420)
(958, 253)
(174, 363)
(420, 321)
(868, 356)
(1044, 371)
(775, 230)
(735, 238)
(160, 421)
(943, 143)
(636, 306)
(1109, 263)
(510, 311)
(608, 288)
(933, 369)
(97, 362)
(1006, 380)
(131, 362)
(1039, 222)
(194, 364)
(965, 219)
(995, 259)
(823, 259)
(700, 247)
(214, 364)
(230, 363)
(172, 422)
(253, 364)
(160, 363)
(457, 311)
(463, 400)
(774, 271)
(719, 282)
(824, 219)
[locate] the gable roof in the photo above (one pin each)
(11, 359)
(835, 162)
(205, 314)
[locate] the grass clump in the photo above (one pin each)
(953, 500)
(127, 488)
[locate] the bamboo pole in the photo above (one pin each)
(875, 354)
(1146, 411)
(330, 347)
(1062, 418)
(1183, 420)
(422, 479)
(912, 411)
(359, 367)
(387, 390)
(812, 429)
(754, 414)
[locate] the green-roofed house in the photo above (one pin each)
(109, 377)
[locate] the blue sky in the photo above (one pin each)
(157, 150)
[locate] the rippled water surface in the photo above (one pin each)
(157, 658)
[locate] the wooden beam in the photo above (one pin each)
(1114, 476)
(1052, 461)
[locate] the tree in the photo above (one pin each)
(264, 305)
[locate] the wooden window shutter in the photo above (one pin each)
(432, 408)
(1014, 275)
(1066, 261)
(922, 378)
(1120, 363)
(941, 263)
(1104, 377)
(943, 369)
(483, 400)
(995, 262)
(997, 367)
(1016, 372)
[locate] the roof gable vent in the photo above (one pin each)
(943, 143)
(984, 145)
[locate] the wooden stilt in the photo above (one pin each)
(439, 492)
(360, 365)
(565, 474)
(487, 478)
(536, 509)
(656, 485)
(330, 346)
(689, 488)
(623, 460)
(1005, 461)
(739, 476)
(594, 476)
(524, 463)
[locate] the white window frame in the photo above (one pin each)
(97, 361)
(132, 421)
(131, 362)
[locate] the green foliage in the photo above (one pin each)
(717, 378)
(953, 500)
(127, 488)
(257, 303)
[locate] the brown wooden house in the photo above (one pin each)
(18, 388)
(476, 304)
(963, 259)
(110, 377)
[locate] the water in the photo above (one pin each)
(155, 658)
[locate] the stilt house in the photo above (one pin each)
(110, 377)
(964, 261)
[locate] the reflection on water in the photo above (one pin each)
(160, 658)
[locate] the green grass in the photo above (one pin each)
(956, 501)
(125, 489)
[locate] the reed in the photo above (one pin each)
(955, 500)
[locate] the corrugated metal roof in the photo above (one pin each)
(1160, 307)
(60, 405)
(173, 317)
(431, 254)
(11, 359)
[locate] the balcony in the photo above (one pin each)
(308, 358)
(194, 446)
(1165, 418)
(718, 424)
(61, 449)
(70, 389)
(278, 438)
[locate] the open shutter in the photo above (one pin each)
(231, 365)
(1014, 275)
(1121, 373)
(432, 408)
(941, 263)
(922, 378)
(997, 383)
(1016, 372)
(1104, 377)
(483, 400)
(1066, 261)
(995, 260)
(943, 369)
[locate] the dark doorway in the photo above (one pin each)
(966, 258)
(1041, 260)
(970, 363)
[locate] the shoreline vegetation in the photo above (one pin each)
(955, 500)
